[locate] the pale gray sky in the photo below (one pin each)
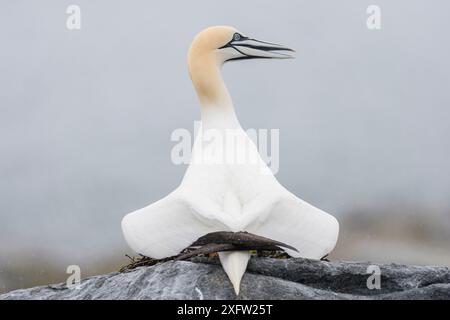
(86, 116)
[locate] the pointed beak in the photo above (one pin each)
(256, 49)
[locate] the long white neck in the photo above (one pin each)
(217, 109)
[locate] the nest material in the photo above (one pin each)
(212, 243)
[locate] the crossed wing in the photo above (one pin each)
(169, 225)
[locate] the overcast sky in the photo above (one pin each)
(86, 115)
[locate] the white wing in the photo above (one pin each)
(165, 227)
(295, 222)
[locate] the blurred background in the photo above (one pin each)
(86, 117)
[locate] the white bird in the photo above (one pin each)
(217, 195)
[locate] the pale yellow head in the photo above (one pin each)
(207, 43)
(214, 46)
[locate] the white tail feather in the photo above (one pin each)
(234, 263)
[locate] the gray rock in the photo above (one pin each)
(202, 278)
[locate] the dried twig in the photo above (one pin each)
(218, 242)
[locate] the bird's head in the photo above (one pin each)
(214, 46)
(228, 44)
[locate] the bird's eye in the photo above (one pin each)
(237, 37)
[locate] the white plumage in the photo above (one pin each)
(224, 188)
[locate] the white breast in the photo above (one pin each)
(227, 169)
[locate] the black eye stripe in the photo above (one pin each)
(236, 37)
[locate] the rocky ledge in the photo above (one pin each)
(266, 278)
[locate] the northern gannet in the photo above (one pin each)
(227, 196)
